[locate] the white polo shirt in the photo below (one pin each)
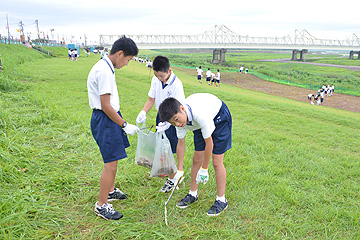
(173, 88)
(201, 109)
(218, 76)
(208, 73)
(199, 71)
(101, 80)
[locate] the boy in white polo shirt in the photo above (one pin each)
(199, 72)
(210, 120)
(108, 127)
(163, 85)
(208, 76)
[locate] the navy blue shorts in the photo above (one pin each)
(170, 134)
(208, 79)
(199, 77)
(109, 136)
(221, 135)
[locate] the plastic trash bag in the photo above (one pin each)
(164, 162)
(145, 150)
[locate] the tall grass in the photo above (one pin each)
(293, 171)
(13, 57)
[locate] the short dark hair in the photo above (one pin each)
(168, 108)
(125, 44)
(161, 64)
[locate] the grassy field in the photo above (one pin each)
(296, 73)
(293, 171)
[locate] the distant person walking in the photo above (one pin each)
(208, 76)
(199, 72)
(241, 69)
(217, 78)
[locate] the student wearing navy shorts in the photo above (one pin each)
(199, 73)
(108, 127)
(163, 85)
(210, 120)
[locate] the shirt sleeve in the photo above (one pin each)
(152, 91)
(207, 127)
(180, 132)
(104, 82)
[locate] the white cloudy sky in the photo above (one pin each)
(259, 18)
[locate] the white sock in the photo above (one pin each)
(221, 199)
(100, 206)
(193, 193)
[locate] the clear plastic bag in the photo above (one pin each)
(145, 150)
(164, 162)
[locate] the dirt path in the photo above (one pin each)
(251, 82)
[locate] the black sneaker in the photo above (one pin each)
(188, 199)
(217, 208)
(167, 187)
(107, 212)
(117, 195)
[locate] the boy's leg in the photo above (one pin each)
(220, 173)
(220, 203)
(102, 208)
(107, 181)
(192, 195)
(197, 161)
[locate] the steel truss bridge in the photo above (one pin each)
(222, 37)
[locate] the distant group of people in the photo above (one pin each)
(318, 99)
(73, 54)
(141, 60)
(242, 70)
(210, 76)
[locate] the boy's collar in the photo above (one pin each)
(109, 62)
(189, 114)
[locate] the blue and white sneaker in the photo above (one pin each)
(117, 195)
(186, 201)
(217, 208)
(107, 212)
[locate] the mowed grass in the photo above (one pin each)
(292, 173)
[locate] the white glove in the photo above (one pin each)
(178, 175)
(162, 126)
(131, 129)
(141, 118)
(202, 176)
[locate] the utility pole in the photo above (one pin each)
(37, 27)
(22, 34)
(7, 26)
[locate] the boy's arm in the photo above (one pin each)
(109, 110)
(149, 104)
(141, 118)
(114, 116)
(180, 153)
(202, 175)
(208, 151)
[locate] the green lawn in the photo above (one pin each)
(293, 171)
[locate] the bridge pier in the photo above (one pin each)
(352, 53)
(216, 53)
(302, 55)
